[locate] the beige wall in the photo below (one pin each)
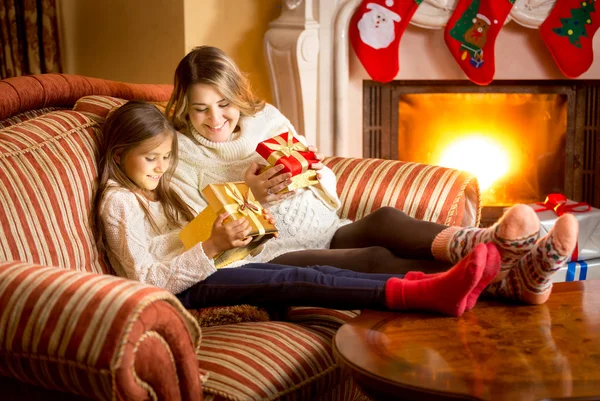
(142, 41)
(238, 27)
(138, 41)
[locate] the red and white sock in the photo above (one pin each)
(529, 281)
(445, 293)
(471, 34)
(375, 31)
(568, 32)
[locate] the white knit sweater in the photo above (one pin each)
(138, 252)
(306, 220)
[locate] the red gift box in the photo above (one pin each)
(285, 149)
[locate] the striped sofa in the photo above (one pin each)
(71, 330)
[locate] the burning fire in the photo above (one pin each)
(481, 156)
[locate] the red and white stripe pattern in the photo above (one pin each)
(48, 167)
(271, 361)
(425, 192)
(85, 333)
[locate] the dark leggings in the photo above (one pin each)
(267, 284)
(385, 241)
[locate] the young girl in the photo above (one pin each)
(139, 218)
(222, 122)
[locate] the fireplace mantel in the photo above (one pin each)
(317, 80)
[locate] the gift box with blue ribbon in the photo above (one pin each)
(580, 270)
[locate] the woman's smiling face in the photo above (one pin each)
(213, 116)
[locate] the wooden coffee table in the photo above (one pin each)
(494, 352)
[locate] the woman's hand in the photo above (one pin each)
(266, 186)
(226, 236)
(319, 157)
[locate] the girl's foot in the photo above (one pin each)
(492, 267)
(529, 280)
(514, 235)
(446, 293)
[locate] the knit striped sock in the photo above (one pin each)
(529, 281)
(514, 235)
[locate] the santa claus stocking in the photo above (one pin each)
(471, 34)
(375, 31)
(568, 33)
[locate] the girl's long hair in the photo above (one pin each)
(210, 66)
(124, 130)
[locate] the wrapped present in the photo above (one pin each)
(237, 199)
(588, 241)
(580, 270)
(287, 150)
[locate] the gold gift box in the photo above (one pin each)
(237, 199)
(302, 180)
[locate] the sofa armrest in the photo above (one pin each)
(432, 193)
(100, 336)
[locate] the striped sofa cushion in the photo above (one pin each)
(426, 192)
(272, 361)
(27, 115)
(92, 334)
(48, 168)
(98, 106)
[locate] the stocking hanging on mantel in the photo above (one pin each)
(471, 35)
(568, 32)
(375, 31)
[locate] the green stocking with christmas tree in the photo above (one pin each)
(568, 33)
(471, 34)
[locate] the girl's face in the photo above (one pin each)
(213, 116)
(146, 163)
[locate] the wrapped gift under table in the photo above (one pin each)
(237, 199)
(580, 270)
(285, 149)
(588, 241)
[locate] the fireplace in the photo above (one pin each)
(522, 140)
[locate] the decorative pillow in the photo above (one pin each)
(98, 106)
(221, 315)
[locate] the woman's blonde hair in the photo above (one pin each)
(125, 129)
(210, 66)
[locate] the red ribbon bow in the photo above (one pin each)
(558, 203)
(247, 204)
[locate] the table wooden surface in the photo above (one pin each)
(495, 351)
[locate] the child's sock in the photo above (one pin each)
(529, 280)
(445, 293)
(514, 235)
(492, 267)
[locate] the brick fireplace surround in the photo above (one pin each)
(317, 80)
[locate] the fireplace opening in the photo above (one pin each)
(514, 143)
(522, 139)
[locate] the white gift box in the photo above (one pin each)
(580, 270)
(588, 241)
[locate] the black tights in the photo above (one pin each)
(385, 241)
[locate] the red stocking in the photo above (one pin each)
(471, 34)
(375, 31)
(568, 33)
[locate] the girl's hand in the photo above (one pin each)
(266, 186)
(226, 236)
(267, 215)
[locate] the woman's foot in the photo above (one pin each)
(529, 280)
(447, 293)
(514, 235)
